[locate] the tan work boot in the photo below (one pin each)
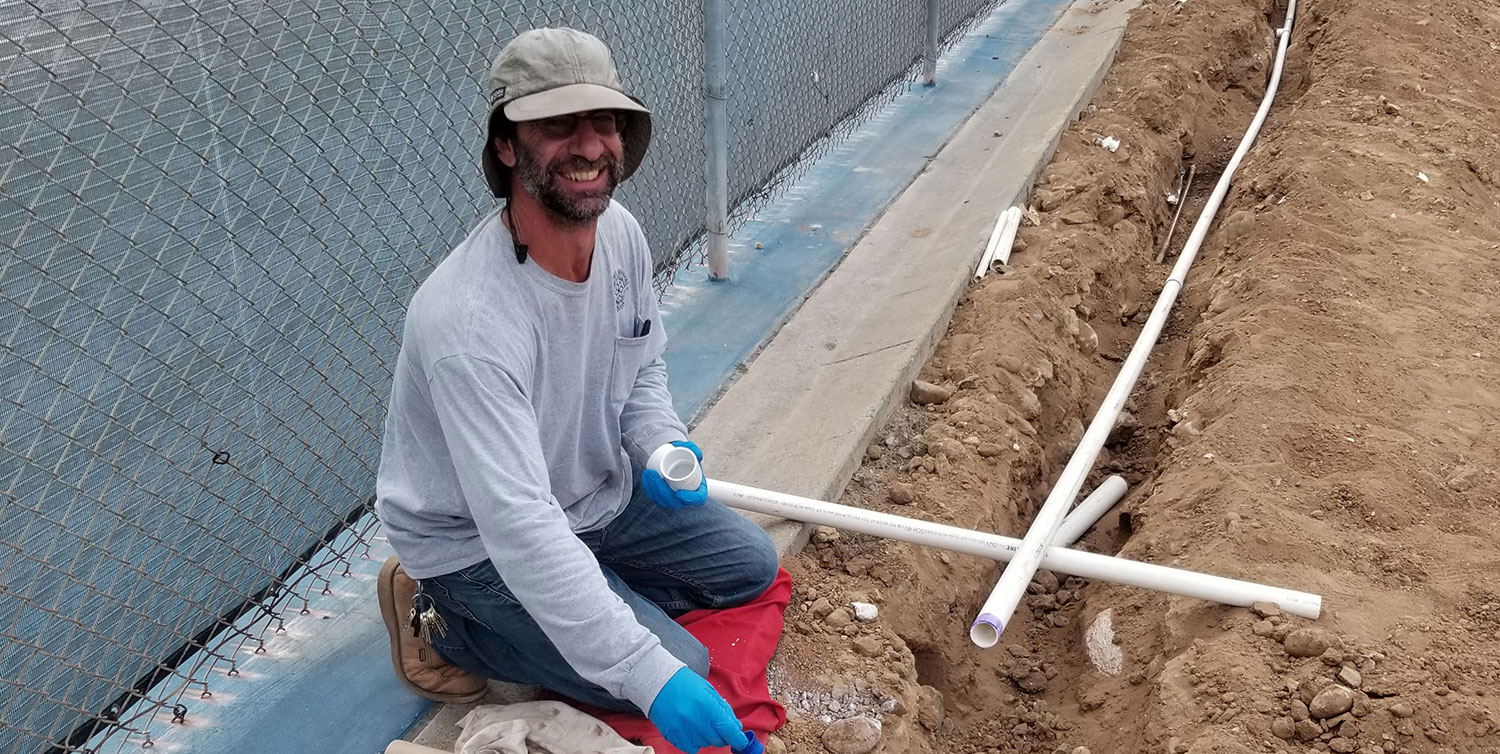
(419, 667)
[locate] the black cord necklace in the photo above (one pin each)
(515, 235)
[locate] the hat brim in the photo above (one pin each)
(573, 98)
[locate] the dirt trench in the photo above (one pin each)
(1320, 414)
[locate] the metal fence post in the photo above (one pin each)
(715, 103)
(929, 56)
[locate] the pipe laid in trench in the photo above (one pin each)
(1088, 512)
(1006, 595)
(1062, 560)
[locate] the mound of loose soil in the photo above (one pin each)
(1322, 413)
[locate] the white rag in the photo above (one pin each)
(538, 728)
(530, 728)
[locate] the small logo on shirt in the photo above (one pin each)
(622, 285)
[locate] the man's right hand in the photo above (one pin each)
(691, 715)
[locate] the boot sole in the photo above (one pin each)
(385, 590)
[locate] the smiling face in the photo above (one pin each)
(570, 164)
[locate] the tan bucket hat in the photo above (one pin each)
(547, 72)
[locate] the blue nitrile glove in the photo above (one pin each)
(691, 715)
(662, 494)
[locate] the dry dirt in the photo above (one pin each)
(1322, 413)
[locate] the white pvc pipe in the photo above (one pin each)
(1061, 560)
(1006, 595)
(1093, 508)
(1007, 238)
(1010, 218)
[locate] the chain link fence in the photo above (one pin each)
(212, 218)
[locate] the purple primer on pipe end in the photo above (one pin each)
(991, 621)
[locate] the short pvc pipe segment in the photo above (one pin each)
(1088, 512)
(1058, 559)
(1007, 592)
(1005, 224)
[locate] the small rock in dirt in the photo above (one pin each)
(947, 447)
(1342, 745)
(929, 707)
(1332, 657)
(1111, 215)
(1263, 628)
(1081, 750)
(928, 394)
(1238, 224)
(1033, 683)
(1284, 728)
(821, 607)
(1310, 641)
(1361, 704)
(1045, 582)
(1331, 702)
(839, 618)
(1058, 620)
(1350, 677)
(855, 735)
(1265, 609)
(1077, 216)
(902, 493)
(874, 452)
(1099, 644)
(1308, 730)
(774, 745)
(865, 611)
(1402, 709)
(1299, 711)
(989, 450)
(869, 646)
(825, 534)
(1029, 405)
(1087, 338)
(1462, 479)
(1187, 428)
(1125, 426)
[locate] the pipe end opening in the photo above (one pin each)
(985, 632)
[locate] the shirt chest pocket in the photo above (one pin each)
(629, 357)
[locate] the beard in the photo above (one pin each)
(575, 208)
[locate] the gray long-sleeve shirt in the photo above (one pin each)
(516, 398)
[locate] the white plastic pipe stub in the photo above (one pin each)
(986, 631)
(678, 466)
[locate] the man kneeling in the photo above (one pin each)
(535, 546)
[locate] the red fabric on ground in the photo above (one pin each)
(740, 642)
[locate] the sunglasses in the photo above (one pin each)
(604, 122)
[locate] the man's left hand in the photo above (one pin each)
(662, 494)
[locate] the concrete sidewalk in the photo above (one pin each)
(799, 419)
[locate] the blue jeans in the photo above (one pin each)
(663, 562)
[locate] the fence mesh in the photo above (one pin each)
(212, 217)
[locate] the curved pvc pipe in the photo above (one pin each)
(1088, 512)
(1061, 560)
(1006, 595)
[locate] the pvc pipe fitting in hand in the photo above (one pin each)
(678, 466)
